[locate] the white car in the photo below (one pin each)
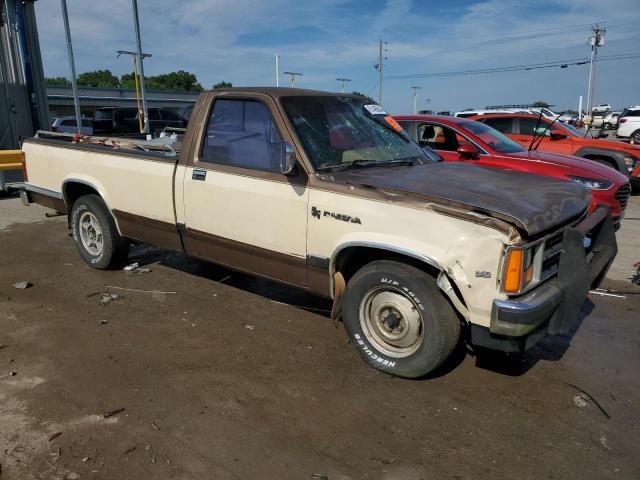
(629, 124)
(68, 125)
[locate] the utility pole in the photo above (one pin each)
(378, 66)
(72, 67)
(415, 99)
(136, 78)
(596, 40)
(136, 23)
(343, 81)
(277, 69)
(293, 77)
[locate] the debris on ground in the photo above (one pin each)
(129, 450)
(131, 266)
(54, 436)
(85, 459)
(92, 294)
(249, 327)
(319, 476)
(103, 322)
(604, 442)
(22, 285)
(107, 297)
(3, 345)
(153, 424)
(12, 373)
(141, 270)
(587, 395)
(113, 412)
(580, 401)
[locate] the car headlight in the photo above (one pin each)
(518, 269)
(630, 162)
(592, 183)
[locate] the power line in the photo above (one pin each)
(515, 68)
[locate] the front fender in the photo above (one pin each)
(615, 156)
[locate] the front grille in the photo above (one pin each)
(622, 195)
(551, 255)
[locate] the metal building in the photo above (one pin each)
(23, 97)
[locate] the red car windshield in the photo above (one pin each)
(493, 138)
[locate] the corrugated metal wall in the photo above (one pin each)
(23, 98)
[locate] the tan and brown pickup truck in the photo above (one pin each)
(326, 192)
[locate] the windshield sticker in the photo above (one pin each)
(395, 125)
(375, 109)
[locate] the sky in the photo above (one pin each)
(236, 41)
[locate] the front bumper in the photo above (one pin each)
(551, 308)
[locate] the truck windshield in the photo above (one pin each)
(492, 137)
(344, 132)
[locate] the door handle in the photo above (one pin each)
(199, 174)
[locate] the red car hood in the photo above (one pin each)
(577, 166)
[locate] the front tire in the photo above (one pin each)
(398, 319)
(635, 137)
(95, 235)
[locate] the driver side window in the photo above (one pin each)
(242, 133)
(439, 137)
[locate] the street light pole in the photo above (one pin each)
(72, 67)
(136, 23)
(415, 99)
(277, 69)
(343, 81)
(293, 77)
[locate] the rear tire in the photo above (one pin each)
(398, 319)
(635, 136)
(95, 233)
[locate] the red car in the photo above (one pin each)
(462, 140)
(565, 139)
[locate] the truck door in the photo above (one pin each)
(239, 209)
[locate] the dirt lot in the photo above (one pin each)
(220, 378)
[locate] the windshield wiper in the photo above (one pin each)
(360, 163)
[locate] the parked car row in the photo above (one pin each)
(122, 121)
(463, 140)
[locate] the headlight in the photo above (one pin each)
(592, 183)
(630, 162)
(518, 268)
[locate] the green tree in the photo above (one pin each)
(57, 81)
(223, 84)
(540, 104)
(180, 80)
(366, 98)
(98, 78)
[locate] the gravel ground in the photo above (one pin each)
(223, 376)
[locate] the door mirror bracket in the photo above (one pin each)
(288, 160)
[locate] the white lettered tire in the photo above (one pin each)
(398, 319)
(95, 235)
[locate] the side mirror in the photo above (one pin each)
(468, 150)
(288, 160)
(557, 135)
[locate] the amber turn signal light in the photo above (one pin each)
(513, 272)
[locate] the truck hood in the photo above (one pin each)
(573, 165)
(532, 203)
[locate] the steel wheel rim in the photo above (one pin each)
(391, 321)
(91, 234)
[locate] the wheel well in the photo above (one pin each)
(352, 259)
(603, 159)
(74, 190)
